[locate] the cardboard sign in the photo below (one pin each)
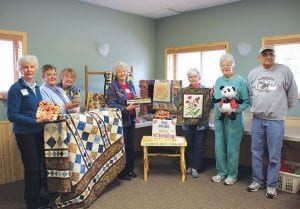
(163, 128)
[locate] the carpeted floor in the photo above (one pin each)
(164, 190)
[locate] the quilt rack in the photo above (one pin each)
(88, 73)
(108, 76)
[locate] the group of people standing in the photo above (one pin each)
(270, 90)
(23, 100)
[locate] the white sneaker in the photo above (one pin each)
(189, 170)
(255, 186)
(229, 181)
(271, 192)
(217, 178)
(195, 173)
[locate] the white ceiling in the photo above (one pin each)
(158, 8)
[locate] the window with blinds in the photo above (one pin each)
(287, 51)
(204, 57)
(12, 46)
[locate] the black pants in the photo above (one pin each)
(128, 134)
(31, 147)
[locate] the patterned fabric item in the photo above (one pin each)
(95, 101)
(184, 105)
(162, 91)
(108, 76)
(145, 93)
(72, 92)
(83, 154)
(167, 101)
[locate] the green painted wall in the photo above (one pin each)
(65, 33)
(246, 21)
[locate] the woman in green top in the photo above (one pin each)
(229, 131)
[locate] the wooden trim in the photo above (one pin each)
(86, 78)
(283, 39)
(166, 64)
(11, 167)
(16, 34)
(193, 48)
(4, 122)
(198, 47)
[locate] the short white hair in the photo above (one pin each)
(227, 57)
(193, 71)
(27, 59)
(119, 65)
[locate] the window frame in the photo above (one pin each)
(282, 39)
(14, 36)
(192, 48)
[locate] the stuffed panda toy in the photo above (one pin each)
(228, 105)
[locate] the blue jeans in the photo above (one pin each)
(195, 136)
(270, 132)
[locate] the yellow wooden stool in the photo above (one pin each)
(149, 141)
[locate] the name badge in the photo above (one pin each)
(24, 92)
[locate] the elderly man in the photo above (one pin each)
(273, 91)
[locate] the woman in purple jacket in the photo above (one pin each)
(118, 93)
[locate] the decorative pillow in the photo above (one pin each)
(47, 109)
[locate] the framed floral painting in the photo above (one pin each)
(193, 105)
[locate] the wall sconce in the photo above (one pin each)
(244, 48)
(102, 49)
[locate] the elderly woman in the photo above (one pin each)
(51, 93)
(67, 78)
(118, 92)
(229, 131)
(22, 103)
(195, 134)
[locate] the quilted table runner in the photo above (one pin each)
(83, 154)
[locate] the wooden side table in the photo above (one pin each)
(149, 141)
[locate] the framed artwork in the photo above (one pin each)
(193, 105)
(162, 92)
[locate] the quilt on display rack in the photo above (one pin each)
(83, 155)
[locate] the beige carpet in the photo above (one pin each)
(164, 190)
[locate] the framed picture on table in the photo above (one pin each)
(193, 105)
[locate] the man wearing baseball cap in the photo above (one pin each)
(273, 91)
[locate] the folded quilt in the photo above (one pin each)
(83, 154)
